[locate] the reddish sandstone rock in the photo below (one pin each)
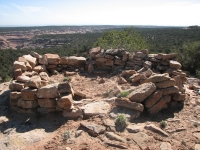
(65, 102)
(152, 99)
(16, 86)
(53, 59)
(28, 94)
(19, 65)
(49, 91)
(47, 102)
(27, 104)
(32, 60)
(141, 92)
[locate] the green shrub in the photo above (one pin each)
(196, 124)
(121, 122)
(123, 94)
(66, 135)
(163, 124)
(67, 78)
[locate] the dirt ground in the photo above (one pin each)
(38, 132)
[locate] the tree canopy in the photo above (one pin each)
(127, 38)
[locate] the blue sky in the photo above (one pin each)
(99, 12)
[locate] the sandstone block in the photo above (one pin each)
(44, 76)
(19, 65)
(28, 94)
(53, 59)
(90, 68)
(49, 91)
(32, 60)
(17, 72)
(152, 99)
(39, 68)
(15, 95)
(16, 86)
(47, 102)
(23, 78)
(170, 90)
(94, 51)
(178, 96)
(27, 104)
(141, 92)
(124, 102)
(174, 64)
(165, 84)
(65, 87)
(65, 102)
(43, 60)
(34, 82)
(156, 78)
(162, 103)
(179, 83)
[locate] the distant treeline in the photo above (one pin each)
(185, 41)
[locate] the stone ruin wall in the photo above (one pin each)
(156, 78)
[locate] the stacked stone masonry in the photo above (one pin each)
(156, 79)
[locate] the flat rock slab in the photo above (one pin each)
(142, 139)
(155, 129)
(93, 129)
(113, 136)
(128, 113)
(96, 108)
(135, 128)
(197, 147)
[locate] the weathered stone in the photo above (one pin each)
(39, 68)
(165, 84)
(49, 91)
(28, 94)
(140, 54)
(32, 60)
(43, 60)
(69, 73)
(152, 99)
(166, 56)
(162, 103)
(78, 133)
(119, 62)
(125, 56)
(47, 102)
(141, 92)
(53, 59)
(137, 77)
(19, 65)
(135, 128)
(28, 66)
(94, 129)
(113, 136)
(142, 140)
(76, 61)
(109, 62)
(23, 78)
(29, 74)
(178, 96)
(90, 68)
(17, 72)
(34, 54)
(124, 102)
(79, 94)
(165, 146)
(127, 73)
(130, 64)
(147, 73)
(156, 78)
(21, 59)
(96, 108)
(65, 102)
(73, 113)
(178, 83)
(170, 90)
(34, 82)
(113, 51)
(44, 76)
(128, 113)
(27, 104)
(147, 64)
(15, 95)
(94, 51)
(13, 102)
(16, 86)
(44, 83)
(174, 64)
(65, 87)
(153, 128)
(121, 80)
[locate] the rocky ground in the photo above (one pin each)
(53, 131)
